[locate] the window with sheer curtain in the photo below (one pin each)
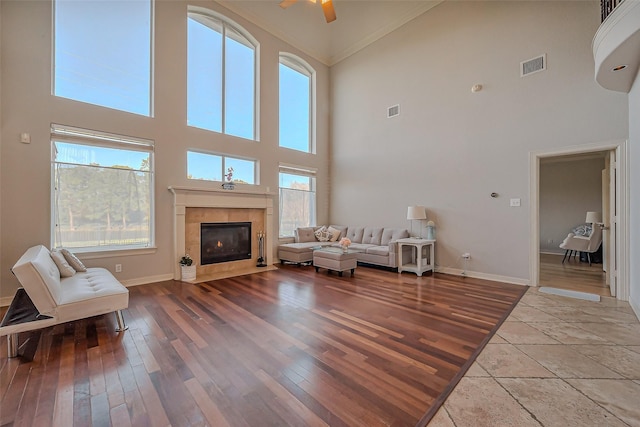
(102, 192)
(297, 199)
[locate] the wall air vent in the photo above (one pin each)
(533, 65)
(393, 111)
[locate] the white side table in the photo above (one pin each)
(422, 255)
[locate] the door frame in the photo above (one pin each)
(621, 148)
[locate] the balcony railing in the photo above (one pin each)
(607, 6)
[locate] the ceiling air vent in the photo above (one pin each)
(533, 65)
(393, 111)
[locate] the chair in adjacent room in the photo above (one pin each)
(573, 243)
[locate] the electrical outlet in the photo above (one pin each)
(466, 255)
(118, 268)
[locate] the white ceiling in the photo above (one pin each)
(359, 23)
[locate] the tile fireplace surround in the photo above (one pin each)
(212, 205)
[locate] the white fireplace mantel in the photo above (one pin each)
(191, 197)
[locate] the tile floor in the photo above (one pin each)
(556, 361)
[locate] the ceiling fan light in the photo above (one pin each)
(329, 11)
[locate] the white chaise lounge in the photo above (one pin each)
(58, 300)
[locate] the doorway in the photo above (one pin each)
(613, 156)
(570, 186)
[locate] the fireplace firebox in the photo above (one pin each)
(224, 242)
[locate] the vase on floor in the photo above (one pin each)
(188, 273)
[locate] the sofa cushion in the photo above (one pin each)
(378, 250)
(323, 234)
(342, 231)
(305, 234)
(355, 234)
(73, 260)
(372, 236)
(360, 246)
(61, 262)
(393, 234)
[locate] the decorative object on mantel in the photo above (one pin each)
(229, 185)
(416, 212)
(187, 269)
(431, 230)
(345, 242)
(261, 260)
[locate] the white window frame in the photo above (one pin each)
(224, 157)
(208, 18)
(301, 171)
(69, 134)
(300, 65)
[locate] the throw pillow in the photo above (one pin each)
(335, 233)
(322, 234)
(73, 260)
(65, 269)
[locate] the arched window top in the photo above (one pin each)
(297, 104)
(216, 21)
(296, 63)
(222, 75)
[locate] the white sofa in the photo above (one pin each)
(377, 245)
(59, 300)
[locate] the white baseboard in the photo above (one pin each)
(145, 280)
(635, 307)
(551, 252)
(478, 275)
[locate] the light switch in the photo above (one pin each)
(25, 138)
(514, 202)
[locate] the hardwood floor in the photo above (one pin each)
(572, 275)
(289, 347)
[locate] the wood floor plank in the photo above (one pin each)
(287, 347)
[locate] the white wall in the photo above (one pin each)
(568, 189)
(450, 148)
(634, 161)
(27, 106)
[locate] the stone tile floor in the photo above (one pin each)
(556, 361)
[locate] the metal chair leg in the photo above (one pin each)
(121, 325)
(589, 258)
(12, 345)
(565, 255)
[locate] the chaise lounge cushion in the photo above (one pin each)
(84, 294)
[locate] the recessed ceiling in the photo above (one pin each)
(359, 23)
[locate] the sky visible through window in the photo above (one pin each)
(103, 57)
(103, 53)
(294, 109)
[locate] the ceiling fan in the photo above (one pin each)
(327, 8)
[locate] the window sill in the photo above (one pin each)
(112, 253)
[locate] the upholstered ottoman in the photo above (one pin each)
(335, 259)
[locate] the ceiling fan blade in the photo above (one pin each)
(329, 11)
(286, 3)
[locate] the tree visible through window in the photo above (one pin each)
(296, 103)
(102, 53)
(102, 190)
(221, 75)
(297, 200)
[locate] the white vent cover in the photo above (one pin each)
(393, 111)
(533, 65)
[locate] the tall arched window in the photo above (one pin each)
(221, 75)
(297, 103)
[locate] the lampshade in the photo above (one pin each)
(416, 212)
(593, 218)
